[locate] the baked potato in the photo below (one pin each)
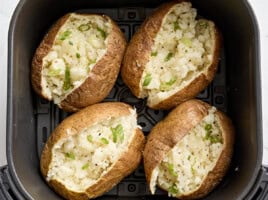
(78, 61)
(189, 152)
(92, 150)
(172, 57)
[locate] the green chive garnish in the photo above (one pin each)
(186, 41)
(168, 57)
(147, 80)
(104, 141)
(171, 170)
(65, 34)
(70, 155)
(67, 79)
(118, 133)
(54, 72)
(85, 166)
(154, 53)
(90, 138)
(102, 32)
(83, 27)
(208, 127)
(173, 189)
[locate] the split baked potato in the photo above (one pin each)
(92, 150)
(189, 152)
(78, 61)
(172, 57)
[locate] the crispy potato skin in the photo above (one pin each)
(101, 79)
(125, 165)
(138, 53)
(167, 133)
(139, 49)
(41, 52)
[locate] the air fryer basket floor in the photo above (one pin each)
(48, 116)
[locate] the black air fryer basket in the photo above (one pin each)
(235, 90)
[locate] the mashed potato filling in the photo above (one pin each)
(183, 49)
(78, 45)
(78, 161)
(185, 166)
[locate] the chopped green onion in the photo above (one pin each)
(215, 139)
(171, 81)
(186, 41)
(70, 155)
(118, 134)
(92, 61)
(168, 57)
(85, 166)
(173, 189)
(212, 138)
(71, 43)
(208, 135)
(176, 26)
(102, 32)
(192, 170)
(171, 170)
(147, 80)
(90, 138)
(78, 55)
(104, 141)
(67, 79)
(54, 72)
(166, 86)
(189, 157)
(65, 34)
(208, 127)
(83, 27)
(154, 53)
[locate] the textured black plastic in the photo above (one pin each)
(235, 90)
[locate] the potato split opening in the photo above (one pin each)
(77, 47)
(183, 49)
(80, 160)
(187, 164)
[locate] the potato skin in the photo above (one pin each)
(139, 49)
(168, 132)
(125, 165)
(138, 53)
(101, 79)
(41, 52)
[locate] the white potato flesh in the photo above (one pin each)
(78, 45)
(187, 164)
(183, 49)
(79, 160)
